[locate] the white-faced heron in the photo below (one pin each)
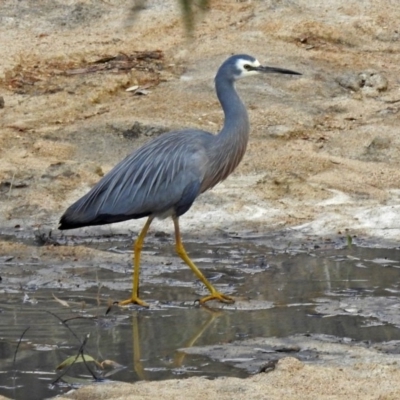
(165, 176)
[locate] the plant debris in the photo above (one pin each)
(38, 77)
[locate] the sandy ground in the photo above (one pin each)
(292, 380)
(324, 149)
(323, 157)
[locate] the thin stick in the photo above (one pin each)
(19, 342)
(80, 351)
(16, 351)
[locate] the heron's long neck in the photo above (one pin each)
(231, 142)
(236, 124)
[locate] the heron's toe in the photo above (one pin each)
(133, 300)
(223, 298)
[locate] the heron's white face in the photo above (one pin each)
(246, 67)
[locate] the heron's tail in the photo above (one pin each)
(78, 217)
(67, 223)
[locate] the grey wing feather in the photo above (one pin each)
(152, 180)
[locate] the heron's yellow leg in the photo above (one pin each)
(180, 355)
(137, 249)
(215, 295)
(137, 363)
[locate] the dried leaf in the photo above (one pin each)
(74, 359)
(142, 92)
(62, 302)
(132, 88)
(349, 241)
(110, 364)
(110, 303)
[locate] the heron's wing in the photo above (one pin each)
(164, 174)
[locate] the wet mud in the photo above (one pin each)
(330, 293)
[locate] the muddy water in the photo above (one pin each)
(352, 292)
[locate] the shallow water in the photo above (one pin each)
(280, 293)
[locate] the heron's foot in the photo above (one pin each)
(133, 300)
(223, 298)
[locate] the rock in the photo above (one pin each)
(350, 81)
(370, 82)
(138, 129)
(379, 143)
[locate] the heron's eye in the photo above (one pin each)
(247, 67)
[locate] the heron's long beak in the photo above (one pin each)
(265, 69)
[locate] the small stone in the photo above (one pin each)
(350, 81)
(379, 143)
(377, 81)
(2, 103)
(371, 82)
(139, 129)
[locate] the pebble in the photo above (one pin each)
(371, 82)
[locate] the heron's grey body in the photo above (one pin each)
(166, 175)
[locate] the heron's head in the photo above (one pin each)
(242, 65)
